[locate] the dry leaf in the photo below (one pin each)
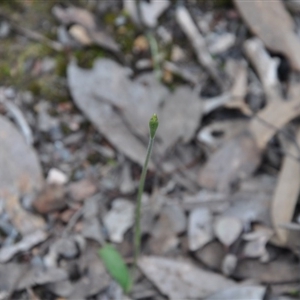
(179, 279)
(163, 236)
(80, 34)
(24, 221)
(257, 241)
(119, 219)
(171, 222)
(84, 86)
(241, 156)
(238, 73)
(254, 292)
(229, 263)
(51, 198)
(265, 66)
(198, 42)
(200, 230)
(85, 28)
(282, 269)
(228, 229)
(82, 189)
(179, 118)
(21, 276)
(217, 133)
(263, 20)
(250, 207)
(212, 255)
(149, 11)
(286, 193)
(234, 161)
(274, 116)
(220, 43)
(29, 241)
(20, 169)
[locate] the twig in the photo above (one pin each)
(18, 116)
(72, 221)
(198, 42)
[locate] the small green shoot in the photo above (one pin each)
(153, 124)
(116, 266)
(111, 258)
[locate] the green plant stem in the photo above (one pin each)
(137, 232)
(155, 54)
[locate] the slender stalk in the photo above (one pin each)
(155, 55)
(153, 124)
(137, 236)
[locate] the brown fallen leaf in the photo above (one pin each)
(52, 197)
(179, 279)
(81, 190)
(24, 221)
(286, 194)
(262, 18)
(212, 255)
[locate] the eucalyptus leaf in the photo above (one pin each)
(116, 266)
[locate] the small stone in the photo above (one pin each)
(56, 176)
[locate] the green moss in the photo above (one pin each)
(85, 57)
(125, 36)
(110, 18)
(112, 162)
(12, 4)
(65, 129)
(94, 158)
(35, 88)
(61, 65)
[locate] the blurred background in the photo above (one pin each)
(79, 81)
